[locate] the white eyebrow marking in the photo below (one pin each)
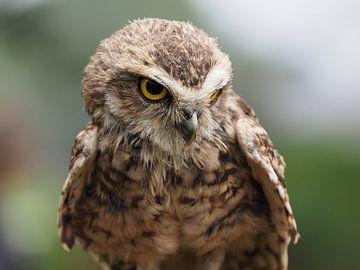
(216, 79)
(219, 75)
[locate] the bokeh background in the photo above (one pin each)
(296, 62)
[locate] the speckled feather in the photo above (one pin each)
(138, 196)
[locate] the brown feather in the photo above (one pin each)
(82, 155)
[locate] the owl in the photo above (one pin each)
(174, 166)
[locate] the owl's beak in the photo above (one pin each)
(188, 128)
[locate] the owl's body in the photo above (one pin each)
(188, 171)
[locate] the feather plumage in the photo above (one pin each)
(139, 193)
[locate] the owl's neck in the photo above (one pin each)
(156, 162)
(152, 155)
(169, 152)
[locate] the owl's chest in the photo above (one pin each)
(193, 208)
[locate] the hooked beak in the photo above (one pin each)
(188, 128)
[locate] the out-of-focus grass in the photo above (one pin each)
(30, 229)
(323, 182)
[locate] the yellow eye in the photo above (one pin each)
(152, 90)
(215, 95)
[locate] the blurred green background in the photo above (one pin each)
(302, 81)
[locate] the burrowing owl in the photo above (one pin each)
(172, 159)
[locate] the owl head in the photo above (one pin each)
(160, 81)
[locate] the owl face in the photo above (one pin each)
(160, 81)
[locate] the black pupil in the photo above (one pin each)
(154, 88)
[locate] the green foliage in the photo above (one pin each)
(323, 180)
